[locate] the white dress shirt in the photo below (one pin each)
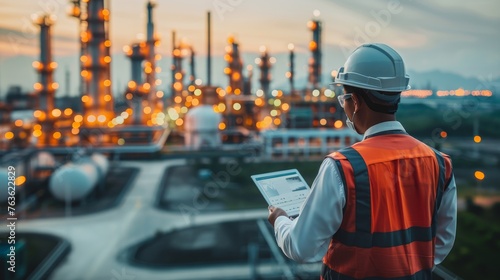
(306, 238)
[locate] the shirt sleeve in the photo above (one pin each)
(306, 238)
(446, 223)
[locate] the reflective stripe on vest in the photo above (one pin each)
(412, 238)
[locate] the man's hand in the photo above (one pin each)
(274, 213)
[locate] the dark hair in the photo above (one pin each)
(374, 103)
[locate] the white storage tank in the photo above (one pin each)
(74, 181)
(99, 160)
(202, 128)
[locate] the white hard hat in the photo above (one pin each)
(375, 67)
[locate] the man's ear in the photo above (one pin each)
(357, 101)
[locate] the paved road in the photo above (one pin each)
(98, 239)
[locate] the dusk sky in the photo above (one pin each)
(461, 37)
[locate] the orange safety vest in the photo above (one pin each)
(393, 186)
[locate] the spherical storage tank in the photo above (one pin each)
(202, 128)
(75, 180)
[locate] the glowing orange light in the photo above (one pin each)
(91, 118)
(159, 94)
(178, 76)
(178, 99)
(37, 133)
(9, 135)
(479, 175)
(177, 52)
(323, 122)
(158, 69)
(56, 113)
(85, 98)
(84, 36)
(55, 85)
(84, 58)
(20, 180)
(337, 124)
(78, 118)
(75, 131)
(179, 122)
(107, 59)
(107, 43)
(146, 86)
(147, 110)
(84, 73)
(148, 70)
(53, 65)
(132, 84)
(56, 135)
(259, 102)
(107, 97)
(37, 86)
(178, 86)
(222, 126)
(227, 71)
(18, 123)
(237, 91)
(195, 102)
(107, 83)
(312, 45)
(101, 118)
(443, 134)
(37, 127)
(312, 25)
(68, 111)
(477, 139)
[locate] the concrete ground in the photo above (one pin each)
(98, 239)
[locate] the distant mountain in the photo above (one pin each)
(439, 80)
(435, 80)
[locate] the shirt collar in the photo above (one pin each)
(383, 126)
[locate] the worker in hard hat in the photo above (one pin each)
(384, 207)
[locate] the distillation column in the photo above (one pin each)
(155, 101)
(45, 87)
(96, 96)
(234, 68)
(315, 60)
